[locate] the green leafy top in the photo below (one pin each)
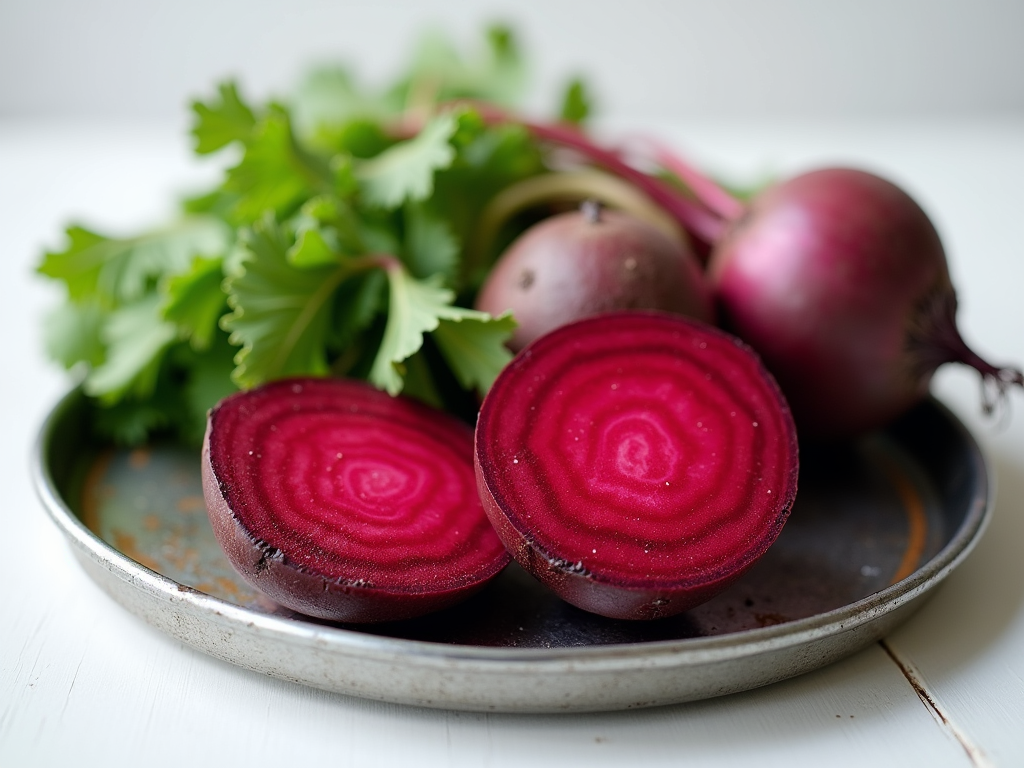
(405, 171)
(341, 242)
(222, 122)
(576, 104)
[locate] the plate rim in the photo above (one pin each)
(674, 652)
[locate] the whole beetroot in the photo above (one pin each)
(591, 261)
(836, 277)
(839, 280)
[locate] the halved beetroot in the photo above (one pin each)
(342, 502)
(636, 462)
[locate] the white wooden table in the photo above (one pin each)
(82, 682)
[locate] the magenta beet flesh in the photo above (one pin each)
(341, 502)
(636, 462)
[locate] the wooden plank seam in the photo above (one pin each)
(975, 754)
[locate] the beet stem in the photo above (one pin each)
(708, 191)
(696, 218)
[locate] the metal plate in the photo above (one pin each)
(877, 525)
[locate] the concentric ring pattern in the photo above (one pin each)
(640, 449)
(348, 482)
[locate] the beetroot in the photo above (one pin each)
(839, 280)
(594, 260)
(636, 462)
(341, 502)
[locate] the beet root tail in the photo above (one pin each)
(996, 382)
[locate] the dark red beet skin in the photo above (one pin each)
(823, 277)
(583, 263)
(839, 280)
(341, 502)
(636, 462)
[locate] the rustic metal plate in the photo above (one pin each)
(876, 526)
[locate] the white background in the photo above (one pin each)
(93, 108)
(675, 59)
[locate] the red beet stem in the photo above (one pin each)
(636, 462)
(693, 216)
(342, 502)
(708, 191)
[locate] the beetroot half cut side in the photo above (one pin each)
(341, 502)
(636, 462)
